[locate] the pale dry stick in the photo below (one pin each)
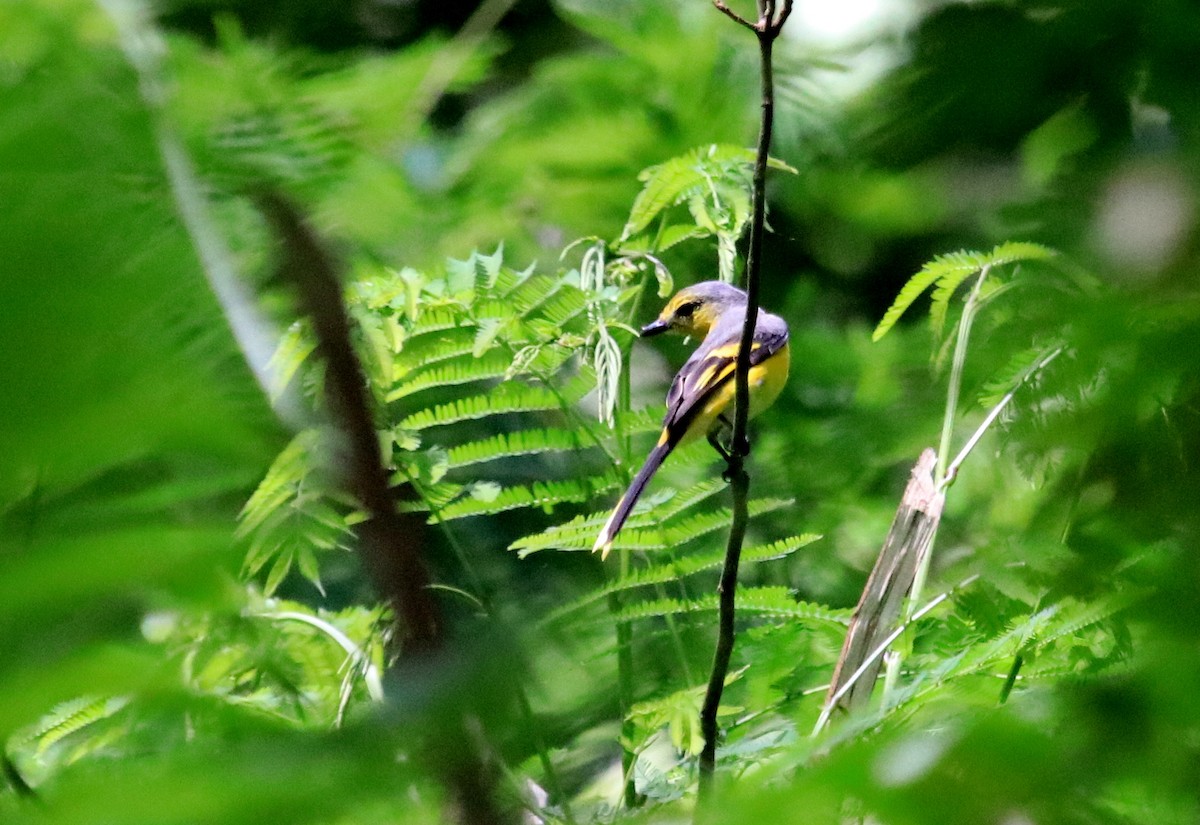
(908, 540)
(882, 647)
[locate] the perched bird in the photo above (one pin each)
(703, 389)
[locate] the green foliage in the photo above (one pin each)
(163, 662)
(714, 182)
(478, 344)
(946, 273)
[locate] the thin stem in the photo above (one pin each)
(767, 29)
(954, 388)
(523, 704)
(953, 391)
(953, 468)
(624, 629)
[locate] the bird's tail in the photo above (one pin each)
(621, 512)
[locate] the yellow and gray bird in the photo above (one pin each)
(703, 389)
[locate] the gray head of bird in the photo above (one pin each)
(693, 310)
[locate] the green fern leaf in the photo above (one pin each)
(939, 299)
(644, 534)
(279, 570)
(951, 265)
(685, 566)
(948, 272)
(577, 534)
(774, 601)
(567, 304)
(544, 494)
(294, 348)
(279, 485)
(447, 346)
(509, 281)
(508, 398)
(431, 320)
(670, 182)
(530, 296)
(580, 532)
(510, 445)
(72, 716)
(490, 367)
(677, 503)
(1005, 253)
(1014, 373)
(1074, 616)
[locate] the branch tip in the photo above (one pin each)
(733, 15)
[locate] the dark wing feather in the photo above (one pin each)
(714, 363)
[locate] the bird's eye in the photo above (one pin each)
(687, 309)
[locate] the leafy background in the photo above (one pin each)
(182, 641)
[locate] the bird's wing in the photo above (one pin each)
(714, 363)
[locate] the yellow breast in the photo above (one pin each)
(766, 382)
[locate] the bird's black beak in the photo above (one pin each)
(655, 327)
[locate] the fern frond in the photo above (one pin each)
(1020, 368)
(951, 265)
(639, 536)
(1076, 616)
(530, 296)
(948, 272)
(510, 397)
(775, 601)
(490, 367)
(511, 445)
(279, 484)
(577, 534)
(508, 281)
(670, 182)
(72, 716)
(296, 345)
(493, 309)
(543, 494)
(450, 344)
(690, 497)
(567, 304)
(435, 319)
(686, 566)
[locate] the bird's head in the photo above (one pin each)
(694, 309)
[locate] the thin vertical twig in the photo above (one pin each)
(388, 545)
(388, 539)
(770, 23)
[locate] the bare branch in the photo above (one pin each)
(733, 15)
(739, 447)
(387, 543)
(785, 12)
(388, 540)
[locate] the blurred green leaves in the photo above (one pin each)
(132, 432)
